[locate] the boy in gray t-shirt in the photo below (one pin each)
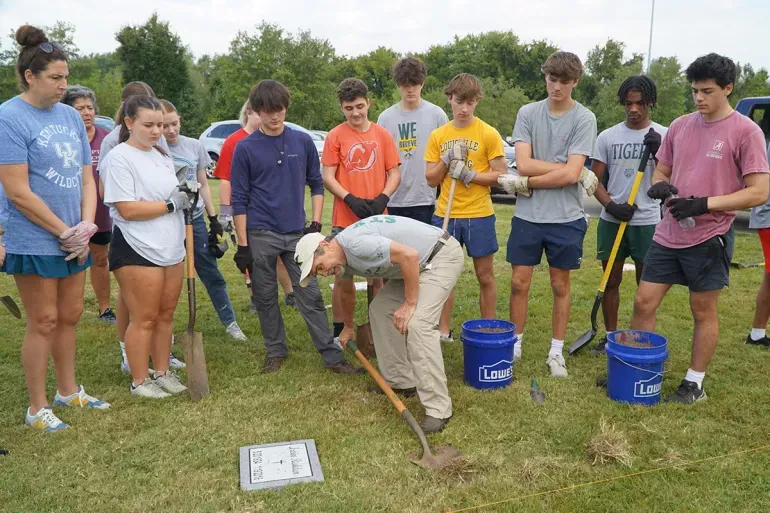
(410, 122)
(553, 138)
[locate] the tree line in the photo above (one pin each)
(214, 87)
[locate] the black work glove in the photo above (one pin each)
(682, 208)
(652, 139)
(620, 211)
(314, 227)
(215, 227)
(359, 206)
(243, 258)
(378, 204)
(662, 190)
(213, 239)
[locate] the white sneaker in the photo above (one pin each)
(234, 331)
(170, 383)
(557, 365)
(516, 354)
(81, 399)
(45, 421)
(148, 389)
(175, 363)
(446, 339)
(127, 368)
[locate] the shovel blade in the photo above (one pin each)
(197, 375)
(582, 341)
(442, 457)
(11, 305)
(365, 340)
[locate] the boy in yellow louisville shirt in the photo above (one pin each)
(472, 218)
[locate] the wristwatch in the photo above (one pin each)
(170, 206)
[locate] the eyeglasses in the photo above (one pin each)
(48, 47)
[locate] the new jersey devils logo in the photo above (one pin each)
(362, 156)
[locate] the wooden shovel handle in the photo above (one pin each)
(449, 201)
(377, 377)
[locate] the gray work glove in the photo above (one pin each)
(458, 171)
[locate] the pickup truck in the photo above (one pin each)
(758, 109)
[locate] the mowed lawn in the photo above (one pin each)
(179, 456)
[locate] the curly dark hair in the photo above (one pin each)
(642, 84)
(712, 66)
(409, 71)
(350, 89)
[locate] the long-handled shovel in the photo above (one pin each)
(449, 201)
(584, 339)
(426, 458)
(191, 340)
(11, 305)
(364, 331)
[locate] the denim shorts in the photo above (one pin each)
(422, 213)
(45, 266)
(562, 243)
(476, 234)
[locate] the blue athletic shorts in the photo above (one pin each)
(46, 266)
(477, 234)
(562, 242)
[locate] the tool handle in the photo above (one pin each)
(622, 227)
(377, 377)
(190, 262)
(449, 201)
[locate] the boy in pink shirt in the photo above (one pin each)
(714, 161)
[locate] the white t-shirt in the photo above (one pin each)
(130, 174)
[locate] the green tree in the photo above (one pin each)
(749, 83)
(671, 83)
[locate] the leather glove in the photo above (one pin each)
(514, 184)
(77, 237)
(215, 227)
(458, 171)
(314, 227)
(243, 258)
(226, 218)
(662, 190)
(620, 211)
(652, 139)
(181, 200)
(589, 181)
(458, 151)
(682, 208)
(378, 204)
(358, 205)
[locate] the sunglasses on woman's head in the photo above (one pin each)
(49, 47)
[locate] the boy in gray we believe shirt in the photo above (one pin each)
(553, 138)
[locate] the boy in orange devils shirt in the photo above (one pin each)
(361, 169)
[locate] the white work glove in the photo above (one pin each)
(77, 237)
(589, 181)
(81, 254)
(226, 217)
(514, 184)
(458, 151)
(191, 186)
(458, 171)
(181, 200)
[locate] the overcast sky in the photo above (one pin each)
(686, 29)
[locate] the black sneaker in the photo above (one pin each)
(108, 316)
(345, 368)
(290, 300)
(687, 393)
(764, 341)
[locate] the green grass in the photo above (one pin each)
(176, 456)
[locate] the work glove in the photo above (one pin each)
(458, 151)
(589, 181)
(378, 204)
(77, 237)
(314, 227)
(243, 258)
(662, 190)
(226, 217)
(620, 211)
(358, 205)
(652, 140)
(514, 184)
(458, 171)
(682, 208)
(181, 200)
(215, 226)
(81, 254)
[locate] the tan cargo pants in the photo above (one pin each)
(415, 359)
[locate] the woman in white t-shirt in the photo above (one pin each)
(147, 249)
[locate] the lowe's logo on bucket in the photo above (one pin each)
(499, 371)
(646, 387)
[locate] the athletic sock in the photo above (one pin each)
(757, 334)
(517, 346)
(338, 326)
(695, 377)
(123, 351)
(556, 347)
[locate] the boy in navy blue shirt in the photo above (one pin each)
(269, 172)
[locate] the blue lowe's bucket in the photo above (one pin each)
(488, 352)
(635, 366)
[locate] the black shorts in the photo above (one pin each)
(101, 238)
(422, 213)
(121, 254)
(702, 268)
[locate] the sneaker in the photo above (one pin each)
(170, 383)
(81, 399)
(764, 341)
(45, 421)
(290, 300)
(127, 369)
(345, 368)
(433, 425)
(253, 307)
(148, 389)
(687, 393)
(557, 365)
(446, 339)
(108, 316)
(175, 363)
(403, 392)
(516, 354)
(272, 365)
(234, 332)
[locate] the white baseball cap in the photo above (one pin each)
(303, 255)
